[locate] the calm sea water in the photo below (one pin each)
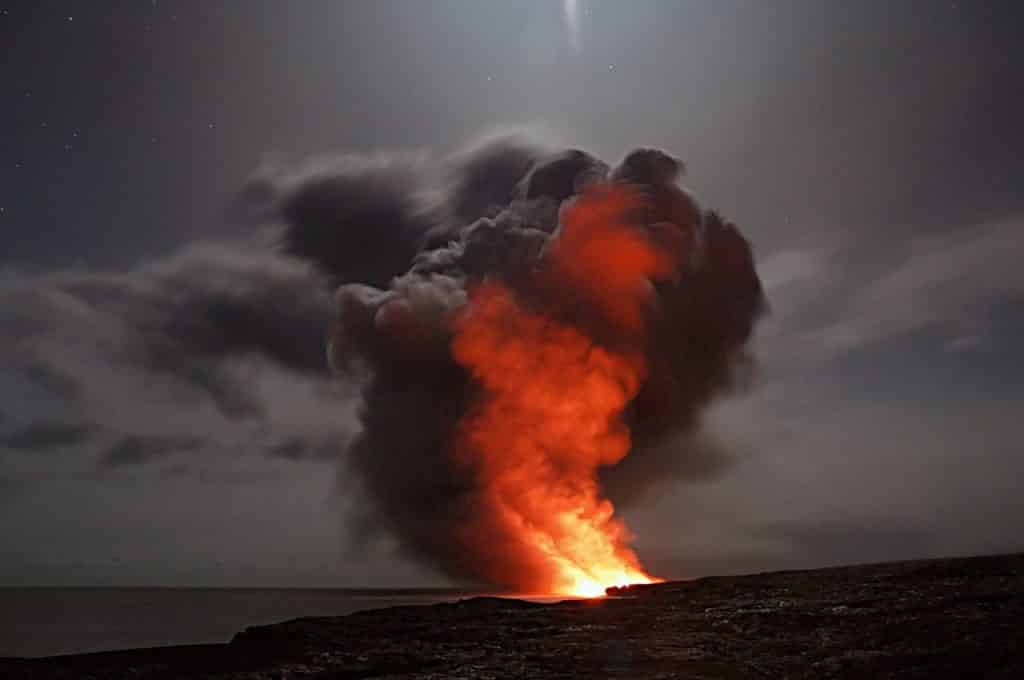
(47, 621)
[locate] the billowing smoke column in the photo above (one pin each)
(548, 351)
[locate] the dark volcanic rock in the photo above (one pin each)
(961, 618)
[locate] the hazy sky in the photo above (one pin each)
(872, 151)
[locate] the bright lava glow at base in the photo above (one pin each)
(586, 586)
(589, 589)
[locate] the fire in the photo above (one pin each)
(549, 412)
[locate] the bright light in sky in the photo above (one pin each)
(571, 11)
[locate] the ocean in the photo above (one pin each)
(50, 621)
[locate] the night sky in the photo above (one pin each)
(872, 151)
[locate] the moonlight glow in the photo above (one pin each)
(571, 10)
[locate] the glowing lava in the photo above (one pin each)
(552, 394)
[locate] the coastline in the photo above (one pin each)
(932, 618)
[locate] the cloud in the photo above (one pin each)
(699, 456)
(137, 449)
(848, 541)
(803, 544)
(855, 294)
(298, 448)
(358, 218)
(48, 377)
(222, 341)
(46, 436)
(482, 179)
(786, 267)
(821, 478)
(10, 489)
(363, 218)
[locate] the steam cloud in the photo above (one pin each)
(406, 254)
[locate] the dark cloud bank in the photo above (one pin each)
(398, 239)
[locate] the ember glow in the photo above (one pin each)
(549, 411)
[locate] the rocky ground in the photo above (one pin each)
(960, 618)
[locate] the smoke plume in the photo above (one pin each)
(545, 319)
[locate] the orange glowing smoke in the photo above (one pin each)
(552, 397)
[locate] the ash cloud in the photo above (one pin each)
(356, 218)
(495, 222)
(484, 179)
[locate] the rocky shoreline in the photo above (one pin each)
(954, 618)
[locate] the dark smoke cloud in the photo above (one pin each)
(357, 218)
(46, 436)
(303, 447)
(694, 456)
(485, 178)
(495, 222)
(137, 449)
(363, 219)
